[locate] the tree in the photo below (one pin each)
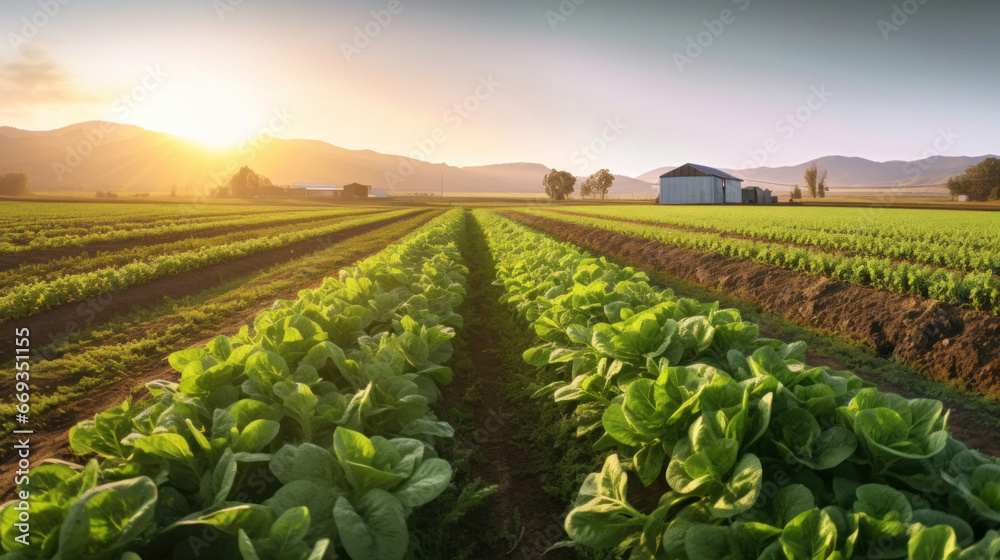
(980, 183)
(598, 184)
(14, 184)
(816, 181)
(245, 183)
(173, 189)
(797, 193)
(559, 184)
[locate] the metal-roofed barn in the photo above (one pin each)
(700, 184)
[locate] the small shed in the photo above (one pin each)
(753, 195)
(357, 190)
(699, 184)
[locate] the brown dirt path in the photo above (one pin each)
(491, 431)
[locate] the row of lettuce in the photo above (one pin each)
(71, 235)
(748, 451)
(953, 239)
(978, 290)
(29, 298)
(308, 435)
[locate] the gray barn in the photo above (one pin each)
(699, 184)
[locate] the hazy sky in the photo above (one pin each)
(574, 84)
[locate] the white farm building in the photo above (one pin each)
(698, 184)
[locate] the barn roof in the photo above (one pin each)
(695, 170)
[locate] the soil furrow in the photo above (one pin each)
(53, 324)
(50, 441)
(36, 256)
(947, 343)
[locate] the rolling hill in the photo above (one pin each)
(106, 156)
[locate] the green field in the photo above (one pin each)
(395, 382)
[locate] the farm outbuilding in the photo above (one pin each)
(757, 195)
(317, 190)
(700, 184)
(356, 190)
(753, 195)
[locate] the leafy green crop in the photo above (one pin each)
(762, 455)
(25, 299)
(307, 435)
(978, 289)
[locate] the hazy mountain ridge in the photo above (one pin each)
(98, 155)
(105, 156)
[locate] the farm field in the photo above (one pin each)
(389, 383)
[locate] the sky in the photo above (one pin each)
(573, 84)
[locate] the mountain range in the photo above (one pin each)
(107, 156)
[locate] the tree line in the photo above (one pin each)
(14, 184)
(560, 185)
(980, 183)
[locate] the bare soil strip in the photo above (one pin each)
(14, 260)
(494, 430)
(53, 324)
(949, 344)
(50, 442)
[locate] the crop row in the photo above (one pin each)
(74, 368)
(958, 229)
(763, 456)
(978, 290)
(116, 233)
(307, 435)
(86, 261)
(21, 230)
(965, 251)
(27, 299)
(34, 216)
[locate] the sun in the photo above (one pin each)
(215, 111)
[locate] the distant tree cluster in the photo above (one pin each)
(816, 181)
(246, 183)
(109, 194)
(14, 184)
(797, 193)
(559, 184)
(598, 184)
(980, 182)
